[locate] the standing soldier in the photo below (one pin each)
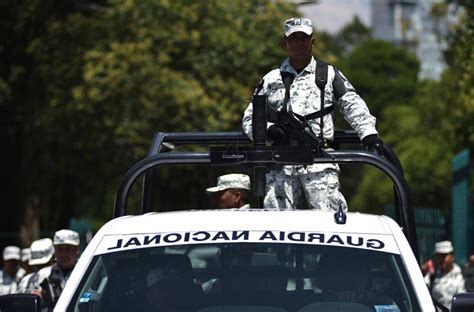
(293, 88)
(447, 279)
(66, 252)
(8, 280)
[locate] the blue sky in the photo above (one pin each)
(331, 15)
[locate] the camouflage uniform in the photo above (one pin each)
(55, 278)
(31, 281)
(468, 273)
(8, 284)
(444, 286)
(319, 182)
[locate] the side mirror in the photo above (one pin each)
(463, 302)
(20, 303)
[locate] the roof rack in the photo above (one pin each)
(238, 151)
(234, 148)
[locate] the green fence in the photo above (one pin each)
(431, 227)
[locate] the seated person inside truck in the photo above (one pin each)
(345, 276)
(232, 191)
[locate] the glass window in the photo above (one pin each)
(246, 277)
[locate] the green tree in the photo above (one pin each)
(382, 73)
(104, 78)
(386, 77)
(433, 125)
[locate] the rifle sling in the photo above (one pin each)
(321, 80)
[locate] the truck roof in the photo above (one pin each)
(249, 219)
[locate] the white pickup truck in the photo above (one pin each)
(253, 260)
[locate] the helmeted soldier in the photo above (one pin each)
(8, 274)
(293, 88)
(42, 251)
(232, 191)
(66, 252)
(447, 279)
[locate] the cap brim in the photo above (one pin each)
(11, 258)
(306, 29)
(444, 251)
(215, 189)
(40, 261)
(70, 243)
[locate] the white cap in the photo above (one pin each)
(296, 24)
(444, 247)
(25, 254)
(66, 237)
(42, 250)
(11, 253)
(230, 181)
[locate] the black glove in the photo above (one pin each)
(373, 144)
(277, 135)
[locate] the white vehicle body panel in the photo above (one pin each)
(365, 231)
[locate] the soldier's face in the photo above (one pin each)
(66, 256)
(10, 266)
(226, 199)
(299, 45)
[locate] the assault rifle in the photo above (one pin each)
(51, 291)
(296, 127)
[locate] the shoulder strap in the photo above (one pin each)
(321, 74)
(321, 77)
(259, 87)
(321, 81)
(287, 79)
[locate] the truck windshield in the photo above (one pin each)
(246, 277)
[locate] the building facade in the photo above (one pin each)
(408, 23)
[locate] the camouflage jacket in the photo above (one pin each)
(468, 273)
(8, 284)
(444, 286)
(305, 99)
(31, 281)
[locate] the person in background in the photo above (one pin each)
(25, 257)
(232, 191)
(42, 251)
(8, 274)
(54, 278)
(447, 279)
(468, 273)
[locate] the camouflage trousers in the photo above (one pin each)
(320, 189)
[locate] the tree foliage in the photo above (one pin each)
(84, 87)
(382, 73)
(426, 122)
(103, 77)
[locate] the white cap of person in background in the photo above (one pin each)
(11, 253)
(66, 249)
(66, 237)
(42, 251)
(444, 247)
(25, 254)
(232, 191)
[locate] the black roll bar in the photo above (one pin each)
(404, 212)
